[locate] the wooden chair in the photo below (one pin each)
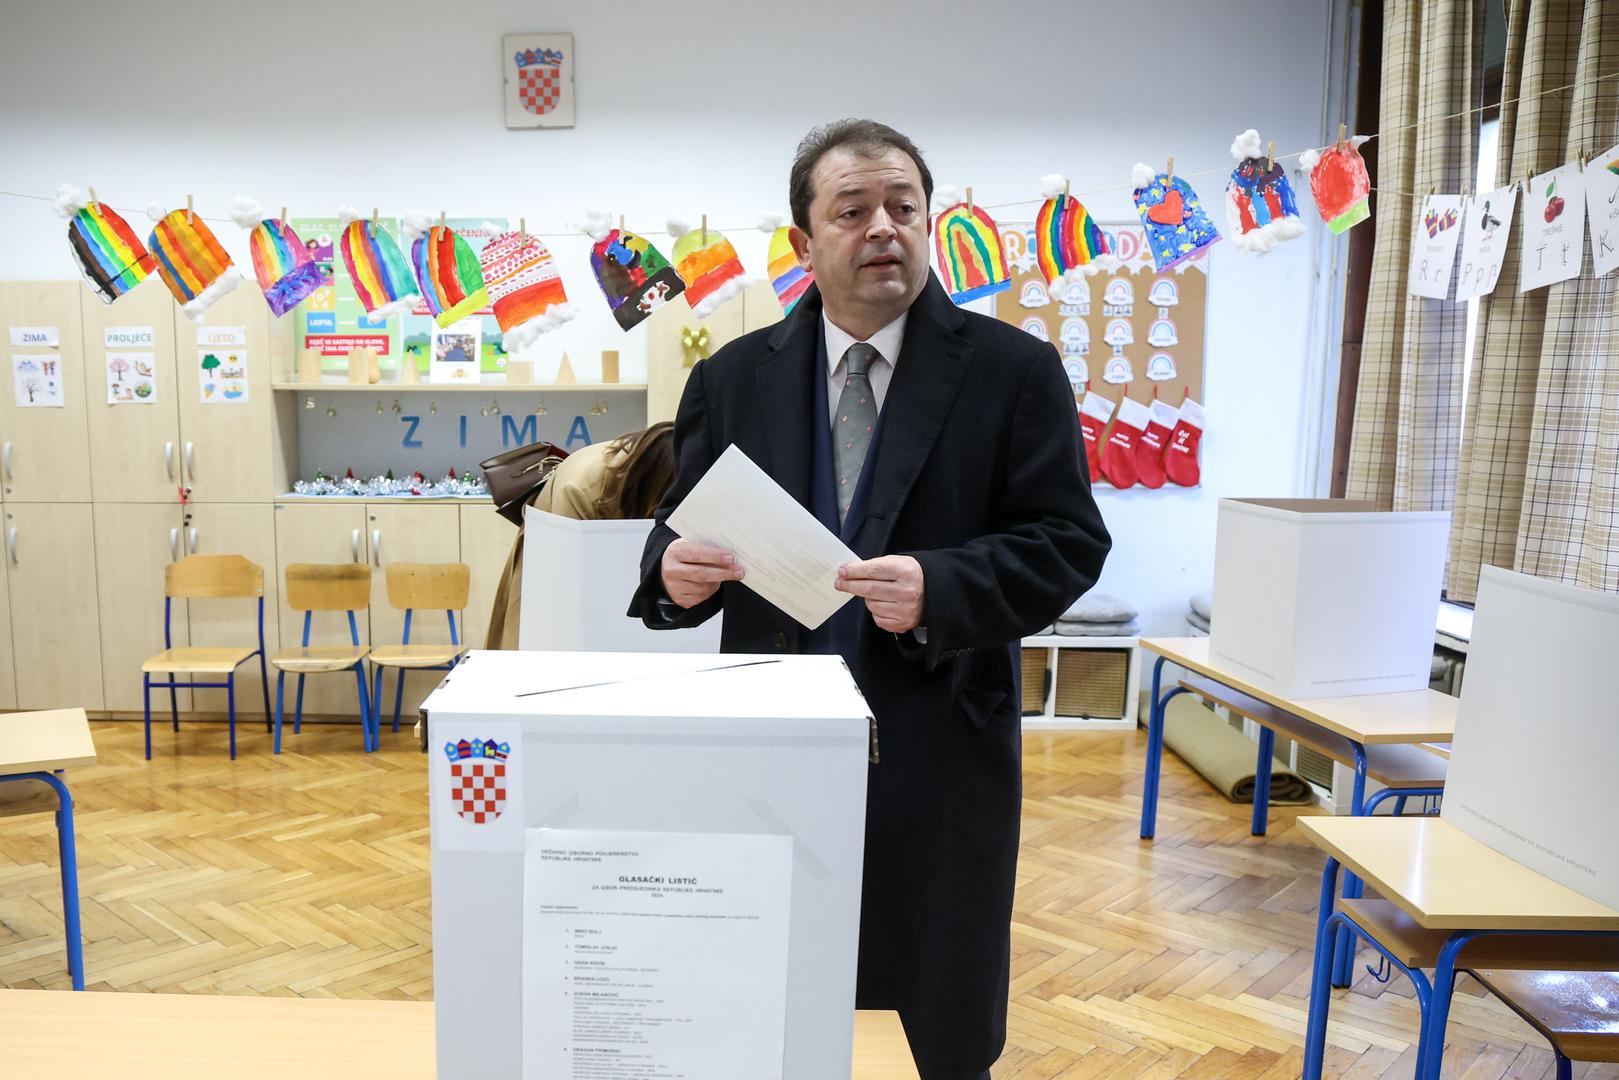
(413, 587)
(34, 749)
(206, 577)
(1576, 1011)
(344, 587)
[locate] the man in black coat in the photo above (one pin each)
(943, 447)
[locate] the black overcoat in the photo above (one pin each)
(979, 476)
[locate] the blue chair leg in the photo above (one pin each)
(1155, 753)
(70, 884)
(1399, 806)
(298, 709)
(1267, 750)
(1343, 966)
(174, 703)
(264, 683)
(399, 700)
(230, 701)
(280, 693)
(146, 694)
(375, 733)
(1565, 1067)
(365, 707)
(1444, 985)
(1315, 1030)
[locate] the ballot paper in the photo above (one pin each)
(788, 557)
(655, 954)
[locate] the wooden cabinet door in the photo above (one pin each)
(135, 445)
(319, 533)
(247, 530)
(415, 534)
(133, 544)
(44, 450)
(225, 440)
(486, 542)
(8, 673)
(56, 637)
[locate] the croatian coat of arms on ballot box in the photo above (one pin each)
(478, 778)
(539, 80)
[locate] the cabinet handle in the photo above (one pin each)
(168, 459)
(354, 544)
(11, 541)
(191, 461)
(191, 538)
(5, 461)
(174, 545)
(376, 546)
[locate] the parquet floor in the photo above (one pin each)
(307, 875)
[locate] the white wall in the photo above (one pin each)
(692, 108)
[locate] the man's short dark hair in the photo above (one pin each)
(867, 138)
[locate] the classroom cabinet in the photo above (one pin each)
(320, 533)
(235, 529)
(224, 441)
(134, 543)
(44, 444)
(135, 441)
(51, 577)
(486, 542)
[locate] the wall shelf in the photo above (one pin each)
(460, 388)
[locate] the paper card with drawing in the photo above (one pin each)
(131, 378)
(1485, 229)
(37, 381)
(222, 376)
(1602, 204)
(1433, 246)
(789, 557)
(1553, 227)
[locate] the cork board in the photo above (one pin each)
(1095, 328)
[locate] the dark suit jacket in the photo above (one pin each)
(978, 476)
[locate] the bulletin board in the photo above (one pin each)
(1153, 322)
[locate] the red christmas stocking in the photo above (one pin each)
(1180, 460)
(1119, 453)
(1094, 413)
(1150, 447)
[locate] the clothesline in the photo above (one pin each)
(1113, 189)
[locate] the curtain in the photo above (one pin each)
(1403, 450)
(1537, 489)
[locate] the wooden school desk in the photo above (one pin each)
(1444, 881)
(204, 1037)
(36, 746)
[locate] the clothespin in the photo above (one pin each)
(373, 219)
(283, 218)
(1065, 190)
(969, 200)
(704, 240)
(621, 223)
(522, 225)
(441, 219)
(188, 210)
(1343, 134)
(1270, 155)
(93, 194)
(1169, 170)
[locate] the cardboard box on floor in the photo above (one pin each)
(647, 743)
(1326, 597)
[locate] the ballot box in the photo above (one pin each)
(646, 864)
(578, 577)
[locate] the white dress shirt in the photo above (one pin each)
(886, 341)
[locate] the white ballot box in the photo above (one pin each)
(1536, 742)
(646, 865)
(1326, 597)
(578, 577)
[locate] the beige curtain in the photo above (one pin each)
(1403, 447)
(1538, 484)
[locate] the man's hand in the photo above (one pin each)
(892, 587)
(693, 572)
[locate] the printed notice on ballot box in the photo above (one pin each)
(655, 956)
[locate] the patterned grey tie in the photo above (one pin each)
(855, 421)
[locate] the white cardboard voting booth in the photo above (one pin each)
(578, 577)
(702, 747)
(1326, 597)
(1537, 734)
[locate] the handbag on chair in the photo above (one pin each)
(515, 475)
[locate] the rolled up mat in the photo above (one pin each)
(1224, 756)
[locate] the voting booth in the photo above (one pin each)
(1326, 597)
(1536, 694)
(578, 577)
(646, 862)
